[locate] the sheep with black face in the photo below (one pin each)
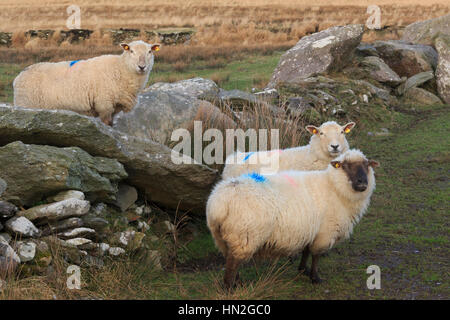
(284, 213)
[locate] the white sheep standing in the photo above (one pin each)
(287, 212)
(327, 142)
(100, 86)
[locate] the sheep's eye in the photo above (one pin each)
(132, 51)
(321, 133)
(342, 132)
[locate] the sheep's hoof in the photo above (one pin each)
(316, 280)
(306, 271)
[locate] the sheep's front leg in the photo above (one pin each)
(231, 268)
(302, 268)
(314, 275)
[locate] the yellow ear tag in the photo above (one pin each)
(157, 48)
(347, 130)
(314, 131)
(337, 165)
(126, 48)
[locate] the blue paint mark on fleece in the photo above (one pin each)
(73, 62)
(256, 177)
(248, 156)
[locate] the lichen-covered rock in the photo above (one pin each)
(424, 32)
(199, 88)
(116, 251)
(128, 239)
(158, 113)
(68, 194)
(82, 232)
(57, 211)
(320, 52)
(35, 171)
(419, 96)
(22, 227)
(53, 227)
(407, 59)
(380, 71)
(25, 250)
(415, 81)
(9, 260)
(148, 163)
(442, 44)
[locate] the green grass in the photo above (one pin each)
(7, 74)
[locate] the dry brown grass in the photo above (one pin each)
(223, 27)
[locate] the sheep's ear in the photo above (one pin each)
(349, 126)
(125, 46)
(336, 164)
(374, 164)
(312, 129)
(156, 47)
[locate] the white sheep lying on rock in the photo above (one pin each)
(100, 86)
(287, 212)
(327, 142)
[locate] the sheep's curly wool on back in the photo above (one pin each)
(284, 212)
(313, 156)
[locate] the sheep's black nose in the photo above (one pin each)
(335, 146)
(142, 68)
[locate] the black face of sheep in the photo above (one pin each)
(356, 172)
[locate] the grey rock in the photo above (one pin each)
(424, 32)
(148, 163)
(380, 71)
(94, 222)
(158, 113)
(9, 260)
(5, 237)
(321, 52)
(3, 186)
(196, 87)
(442, 44)
(34, 171)
(78, 242)
(7, 210)
(415, 81)
(26, 250)
(126, 197)
(54, 227)
(92, 261)
(407, 59)
(367, 49)
(82, 232)
(57, 211)
(22, 227)
(64, 195)
(419, 96)
(116, 251)
(298, 105)
(374, 90)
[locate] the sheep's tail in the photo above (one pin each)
(217, 210)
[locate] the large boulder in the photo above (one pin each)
(424, 32)
(443, 69)
(196, 87)
(34, 172)
(148, 163)
(320, 52)
(407, 59)
(158, 113)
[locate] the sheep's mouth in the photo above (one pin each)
(360, 187)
